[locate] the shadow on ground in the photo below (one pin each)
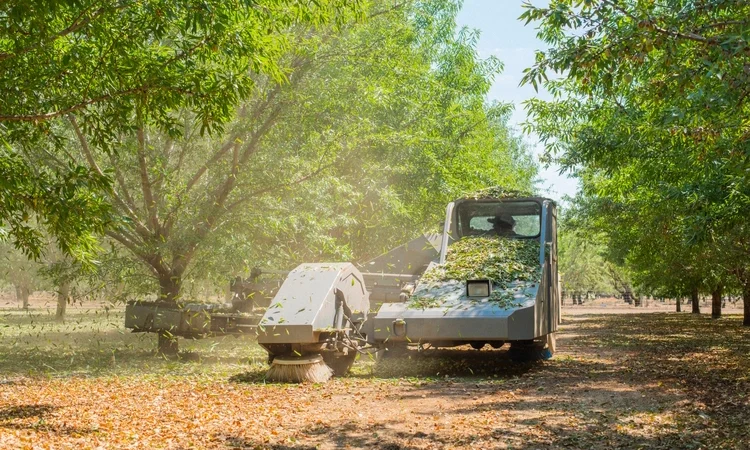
(655, 381)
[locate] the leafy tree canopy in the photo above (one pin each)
(115, 64)
(649, 109)
(380, 124)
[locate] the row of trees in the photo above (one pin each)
(210, 147)
(650, 112)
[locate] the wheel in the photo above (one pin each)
(339, 364)
(477, 345)
(538, 350)
(391, 350)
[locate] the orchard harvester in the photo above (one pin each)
(490, 278)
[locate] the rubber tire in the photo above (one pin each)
(339, 364)
(532, 351)
(391, 351)
(477, 345)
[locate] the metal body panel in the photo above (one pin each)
(459, 317)
(305, 305)
(189, 320)
(387, 274)
(411, 258)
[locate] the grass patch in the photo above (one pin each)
(95, 343)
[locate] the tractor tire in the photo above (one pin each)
(339, 364)
(537, 350)
(391, 351)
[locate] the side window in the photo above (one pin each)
(516, 219)
(527, 225)
(480, 223)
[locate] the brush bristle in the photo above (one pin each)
(312, 372)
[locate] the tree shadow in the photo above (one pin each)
(25, 412)
(344, 435)
(435, 364)
(16, 418)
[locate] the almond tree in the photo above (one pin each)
(107, 62)
(650, 111)
(346, 139)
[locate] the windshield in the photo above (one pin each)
(510, 219)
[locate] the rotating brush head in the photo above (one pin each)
(299, 369)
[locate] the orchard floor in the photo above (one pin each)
(647, 379)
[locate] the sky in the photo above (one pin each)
(502, 35)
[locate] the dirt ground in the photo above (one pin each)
(643, 380)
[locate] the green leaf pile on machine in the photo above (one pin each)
(511, 266)
(498, 192)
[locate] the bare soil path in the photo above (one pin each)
(656, 380)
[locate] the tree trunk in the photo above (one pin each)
(22, 295)
(170, 285)
(695, 301)
(716, 302)
(679, 306)
(63, 294)
(627, 296)
(167, 344)
(746, 301)
(638, 301)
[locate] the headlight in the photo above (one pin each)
(478, 288)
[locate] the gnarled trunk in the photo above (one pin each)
(716, 302)
(627, 295)
(63, 295)
(169, 287)
(695, 301)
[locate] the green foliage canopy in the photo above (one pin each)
(341, 162)
(650, 108)
(112, 65)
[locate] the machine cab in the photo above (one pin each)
(520, 219)
(514, 218)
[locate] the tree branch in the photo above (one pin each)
(151, 261)
(85, 103)
(86, 150)
(121, 181)
(231, 207)
(650, 22)
(148, 198)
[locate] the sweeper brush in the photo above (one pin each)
(299, 369)
(312, 329)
